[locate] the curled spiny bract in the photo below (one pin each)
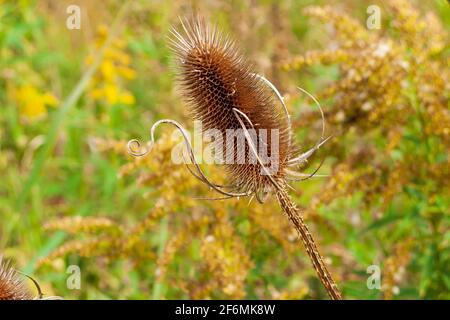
(11, 284)
(225, 94)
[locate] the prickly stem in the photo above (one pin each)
(294, 215)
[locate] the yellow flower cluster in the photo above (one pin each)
(395, 268)
(226, 257)
(114, 70)
(377, 71)
(33, 103)
(83, 225)
(389, 108)
(105, 238)
(386, 79)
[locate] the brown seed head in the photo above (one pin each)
(216, 79)
(11, 286)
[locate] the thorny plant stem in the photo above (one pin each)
(294, 215)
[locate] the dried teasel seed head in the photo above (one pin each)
(11, 284)
(217, 80)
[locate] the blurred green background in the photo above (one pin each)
(70, 194)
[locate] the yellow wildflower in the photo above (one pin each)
(107, 83)
(127, 73)
(111, 94)
(32, 103)
(107, 70)
(127, 98)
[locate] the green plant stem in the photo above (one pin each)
(71, 100)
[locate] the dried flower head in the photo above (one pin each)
(11, 285)
(225, 94)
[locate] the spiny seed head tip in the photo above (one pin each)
(216, 80)
(11, 284)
